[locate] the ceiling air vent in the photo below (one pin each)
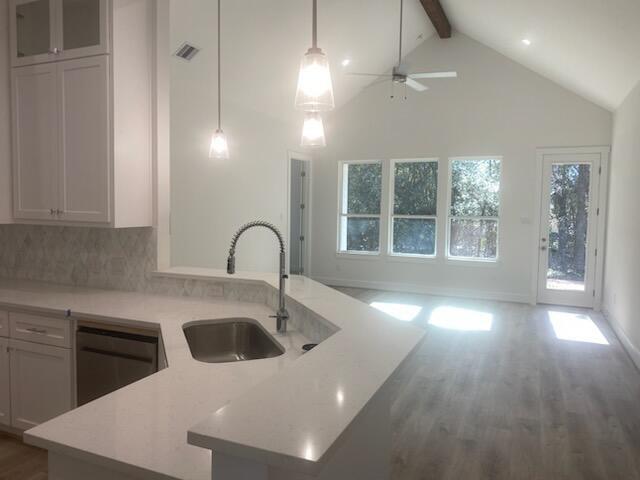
(187, 51)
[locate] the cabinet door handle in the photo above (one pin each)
(60, 212)
(52, 211)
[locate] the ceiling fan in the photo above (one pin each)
(399, 74)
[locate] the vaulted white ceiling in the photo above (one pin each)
(591, 47)
(263, 42)
(588, 46)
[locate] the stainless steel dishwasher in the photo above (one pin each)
(108, 358)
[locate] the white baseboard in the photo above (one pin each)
(631, 349)
(424, 289)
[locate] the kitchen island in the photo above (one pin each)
(292, 416)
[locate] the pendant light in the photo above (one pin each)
(219, 147)
(315, 91)
(313, 130)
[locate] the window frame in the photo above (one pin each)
(341, 215)
(391, 215)
(453, 258)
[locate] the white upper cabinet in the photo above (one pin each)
(51, 30)
(84, 139)
(82, 128)
(35, 145)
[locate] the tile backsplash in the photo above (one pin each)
(95, 257)
(122, 259)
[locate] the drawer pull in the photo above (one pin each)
(39, 331)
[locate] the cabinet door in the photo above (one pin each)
(82, 28)
(32, 26)
(35, 141)
(40, 383)
(84, 139)
(5, 391)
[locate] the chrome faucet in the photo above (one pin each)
(281, 315)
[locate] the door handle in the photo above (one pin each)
(543, 248)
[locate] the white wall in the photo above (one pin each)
(495, 107)
(210, 198)
(5, 116)
(622, 261)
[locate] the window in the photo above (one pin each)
(474, 208)
(414, 207)
(361, 193)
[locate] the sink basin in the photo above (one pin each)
(230, 340)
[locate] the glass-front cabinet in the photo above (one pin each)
(51, 30)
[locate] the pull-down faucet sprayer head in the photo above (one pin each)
(231, 263)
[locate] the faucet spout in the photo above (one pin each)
(281, 315)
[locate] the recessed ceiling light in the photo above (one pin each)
(526, 41)
(346, 62)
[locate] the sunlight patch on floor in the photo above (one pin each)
(453, 318)
(401, 311)
(576, 327)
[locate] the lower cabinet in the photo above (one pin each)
(41, 384)
(5, 393)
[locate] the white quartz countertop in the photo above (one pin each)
(290, 411)
(296, 419)
(142, 428)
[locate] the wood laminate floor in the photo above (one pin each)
(496, 392)
(21, 462)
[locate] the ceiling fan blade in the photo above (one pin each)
(416, 85)
(434, 75)
(370, 74)
(376, 82)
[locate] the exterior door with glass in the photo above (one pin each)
(569, 214)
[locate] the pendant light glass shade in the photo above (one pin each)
(313, 130)
(315, 89)
(219, 148)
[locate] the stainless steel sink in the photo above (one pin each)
(230, 340)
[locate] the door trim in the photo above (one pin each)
(604, 152)
(294, 155)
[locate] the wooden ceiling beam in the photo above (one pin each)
(438, 17)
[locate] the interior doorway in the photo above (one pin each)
(299, 213)
(571, 220)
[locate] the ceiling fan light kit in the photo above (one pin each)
(315, 89)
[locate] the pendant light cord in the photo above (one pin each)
(314, 27)
(400, 51)
(219, 76)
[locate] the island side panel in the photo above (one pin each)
(63, 467)
(364, 452)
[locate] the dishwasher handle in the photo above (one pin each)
(124, 356)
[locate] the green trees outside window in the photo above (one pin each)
(475, 204)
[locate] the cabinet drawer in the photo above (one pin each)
(4, 324)
(38, 329)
